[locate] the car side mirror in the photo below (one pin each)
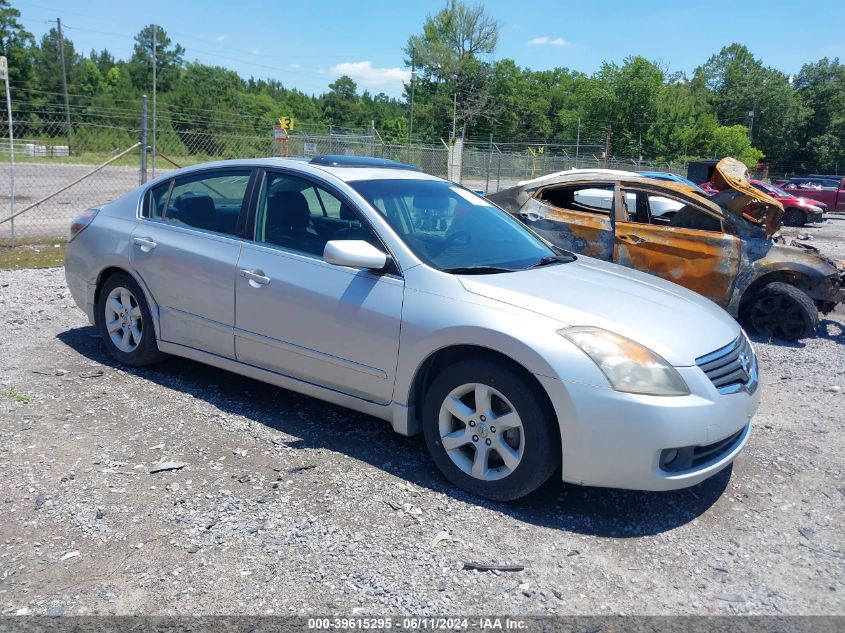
(354, 254)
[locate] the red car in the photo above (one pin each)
(797, 210)
(827, 189)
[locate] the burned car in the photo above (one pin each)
(725, 247)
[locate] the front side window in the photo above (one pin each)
(647, 207)
(454, 230)
(208, 201)
(295, 213)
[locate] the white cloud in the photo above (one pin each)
(295, 66)
(549, 41)
(390, 79)
(220, 38)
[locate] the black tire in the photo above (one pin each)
(145, 351)
(779, 310)
(794, 217)
(540, 451)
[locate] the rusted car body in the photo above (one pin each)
(724, 247)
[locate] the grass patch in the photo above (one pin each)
(32, 254)
(17, 396)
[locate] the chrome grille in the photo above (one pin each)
(731, 368)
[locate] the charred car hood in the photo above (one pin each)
(738, 196)
(677, 324)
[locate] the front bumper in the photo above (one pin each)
(613, 439)
(815, 216)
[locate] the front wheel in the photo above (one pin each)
(794, 217)
(488, 431)
(124, 321)
(783, 311)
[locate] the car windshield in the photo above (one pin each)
(771, 189)
(454, 230)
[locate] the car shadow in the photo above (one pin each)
(832, 331)
(319, 425)
(828, 329)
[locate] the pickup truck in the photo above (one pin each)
(831, 191)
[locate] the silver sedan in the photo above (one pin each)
(376, 287)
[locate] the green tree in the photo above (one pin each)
(169, 57)
(451, 55)
(203, 107)
(732, 140)
(821, 88)
(341, 102)
(17, 44)
(744, 91)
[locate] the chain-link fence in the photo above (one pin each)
(59, 169)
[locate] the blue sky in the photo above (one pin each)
(306, 44)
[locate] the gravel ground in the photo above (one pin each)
(286, 504)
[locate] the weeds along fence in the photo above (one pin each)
(57, 170)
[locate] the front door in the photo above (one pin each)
(185, 249)
(297, 315)
(688, 246)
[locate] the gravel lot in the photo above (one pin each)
(286, 504)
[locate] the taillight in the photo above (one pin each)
(81, 222)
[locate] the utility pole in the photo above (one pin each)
(143, 175)
(454, 115)
(577, 142)
(64, 86)
(607, 145)
(751, 126)
(155, 30)
(413, 81)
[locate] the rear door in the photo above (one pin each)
(690, 248)
(578, 218)
(186, 247)
(297, 315)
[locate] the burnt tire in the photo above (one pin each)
(779, 310)
(461, 411)
(794, 217)
(123, 318)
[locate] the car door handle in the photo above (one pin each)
(631, 239)
(255, 277)
(146, 243)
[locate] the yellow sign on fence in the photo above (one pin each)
(286, 122)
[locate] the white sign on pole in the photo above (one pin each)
(4, 76)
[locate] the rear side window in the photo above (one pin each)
(596, 199)
(207, 201)
(156, 201)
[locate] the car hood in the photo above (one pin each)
(677, 324)
(747, 202)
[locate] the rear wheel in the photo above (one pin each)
(794, 217)
(779, 310)
(488, 432)
(124, 321)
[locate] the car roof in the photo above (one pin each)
(344, 173)
(587, 176)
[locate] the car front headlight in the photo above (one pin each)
(628, 366)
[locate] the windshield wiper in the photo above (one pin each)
(478, 270)
(552, 259)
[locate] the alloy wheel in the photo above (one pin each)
(123, 319)
(481, 431)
